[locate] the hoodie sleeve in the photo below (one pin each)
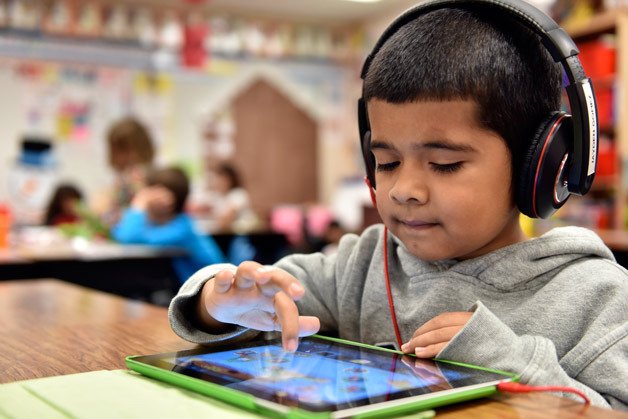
(486, 340)
(181, 313)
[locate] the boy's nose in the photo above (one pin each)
(410, 187)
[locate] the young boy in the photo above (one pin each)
(156, 217)
(453, 99)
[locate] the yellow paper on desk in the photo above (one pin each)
(107, 394)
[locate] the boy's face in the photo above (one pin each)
(443, 181)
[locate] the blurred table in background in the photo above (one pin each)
(132, 271)
(617, 241)
(268, 246)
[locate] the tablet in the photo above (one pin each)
(325, 377)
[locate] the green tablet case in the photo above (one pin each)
(249, 403)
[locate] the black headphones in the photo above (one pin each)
(562, 157)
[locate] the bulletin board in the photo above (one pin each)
(73, 104)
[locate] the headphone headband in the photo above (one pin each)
(562, 49)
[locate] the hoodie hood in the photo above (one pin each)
(516, 265)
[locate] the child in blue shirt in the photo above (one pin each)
(156, 217)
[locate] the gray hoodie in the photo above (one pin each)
(553, 309)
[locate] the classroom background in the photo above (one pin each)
(269, 87)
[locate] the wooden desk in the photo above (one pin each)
(50, 328)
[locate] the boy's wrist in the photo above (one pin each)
(205, 320)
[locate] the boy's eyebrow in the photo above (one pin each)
(434, 145)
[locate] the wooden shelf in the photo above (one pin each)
(614, 239)
(129, 54)
(599, 24)
(75, 50)
(604, 82)
(605, 183)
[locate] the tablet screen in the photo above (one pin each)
(321, 375)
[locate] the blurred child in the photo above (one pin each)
(231, 205)
(131, 154)
(156, 217)
(63, 207)
(331, 237)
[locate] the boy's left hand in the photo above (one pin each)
(431, 338)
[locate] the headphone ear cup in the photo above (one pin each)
(540, 188)
(525, 181)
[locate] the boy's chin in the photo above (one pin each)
(432, 253)
(428, 255)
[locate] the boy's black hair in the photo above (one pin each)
(175, 180)
(455, 53)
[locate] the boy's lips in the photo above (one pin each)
(416, 224)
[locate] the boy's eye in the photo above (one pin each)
(446, 168)
(384, 167)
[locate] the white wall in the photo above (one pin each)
(173, 110)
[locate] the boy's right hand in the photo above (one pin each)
(261, 298)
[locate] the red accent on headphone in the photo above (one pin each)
(540, 162)
(371, 191)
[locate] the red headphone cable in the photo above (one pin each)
(391, 304)
(513, 387)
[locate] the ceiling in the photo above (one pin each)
(323, 11)
(330, 12)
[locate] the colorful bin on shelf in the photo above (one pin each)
(599, 59)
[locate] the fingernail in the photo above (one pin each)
(296, 288)
(292, 345)
(419, 349)
(264, 269)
